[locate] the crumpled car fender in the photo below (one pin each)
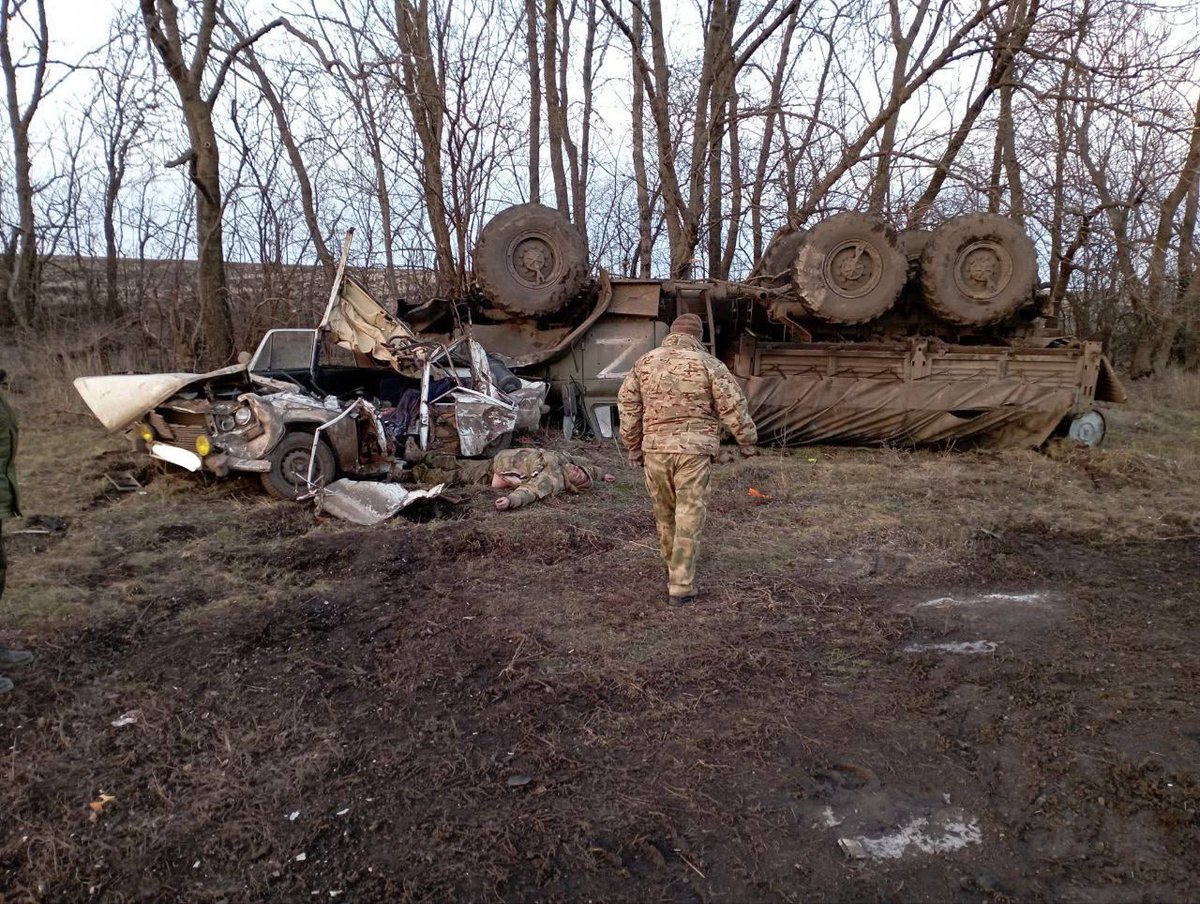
(281, 412)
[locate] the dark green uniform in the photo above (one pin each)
(9, 507)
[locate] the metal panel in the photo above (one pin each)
(635, 298)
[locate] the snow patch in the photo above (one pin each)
(941, 834)
(962, 646)
(827, 819)
(1025, 599)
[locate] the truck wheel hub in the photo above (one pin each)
(982, 270)
(853, 269)
(533, 261)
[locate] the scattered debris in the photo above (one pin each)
(42, 524)
(125, 482)
(367, 502)
(98, 805)
(518, 781)
(961, 646)
(293, 816)
(301, 857)
(133, 717)
(343, 812)
(759, 498)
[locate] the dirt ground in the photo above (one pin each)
(976, 670)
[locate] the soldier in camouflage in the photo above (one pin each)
(8, 509)
(529, 474)
(672, 406)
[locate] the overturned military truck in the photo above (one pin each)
(848, 332)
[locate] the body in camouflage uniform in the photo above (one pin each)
(672, 406)
(535, 473)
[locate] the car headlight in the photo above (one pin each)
(243, 416)
(203, 446)
(226, 423)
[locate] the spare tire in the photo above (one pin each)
(977, 269)
(530, 260)
(849, 268)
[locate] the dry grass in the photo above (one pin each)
(865, 514)
(387, 683)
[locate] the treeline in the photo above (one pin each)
(678, 139)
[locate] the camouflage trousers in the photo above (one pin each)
(678, 487)
(3, 561)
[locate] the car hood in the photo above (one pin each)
(120, 399)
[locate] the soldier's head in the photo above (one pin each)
(688, 325)
(581, 477)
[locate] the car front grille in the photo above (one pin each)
(186, 436)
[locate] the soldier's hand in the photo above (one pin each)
(503, 503)
(748, 451)
(636, 459)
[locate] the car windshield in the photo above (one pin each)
(284, 350)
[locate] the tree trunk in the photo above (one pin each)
(307, 199)
(426, 98)
(216, 344)
(645, 241)
(903, 42)
(555, 116)
(22, 284)
(535, 103)
(774, 110)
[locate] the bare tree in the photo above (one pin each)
(215, 340)
(17, 305)
(292, 148)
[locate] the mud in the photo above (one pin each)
(463, 713)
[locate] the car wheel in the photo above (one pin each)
(977, 269)
(530, 260)
(849, 268)
(288, 477)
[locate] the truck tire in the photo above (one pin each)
(775, 265)
(912, 243)
(849, 268)
(287, 478)
(530, 260)
(977, 269)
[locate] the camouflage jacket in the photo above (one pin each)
(677, 397)
(8, 461)
(541, 472)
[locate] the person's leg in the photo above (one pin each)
(661, 487)
(691, 482)
(7, 656)
(5, 684)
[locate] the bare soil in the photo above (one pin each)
(471, 705)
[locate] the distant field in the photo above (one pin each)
(468, 704)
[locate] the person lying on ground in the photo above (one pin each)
(528, 474)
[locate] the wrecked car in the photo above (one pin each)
(359, 396)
